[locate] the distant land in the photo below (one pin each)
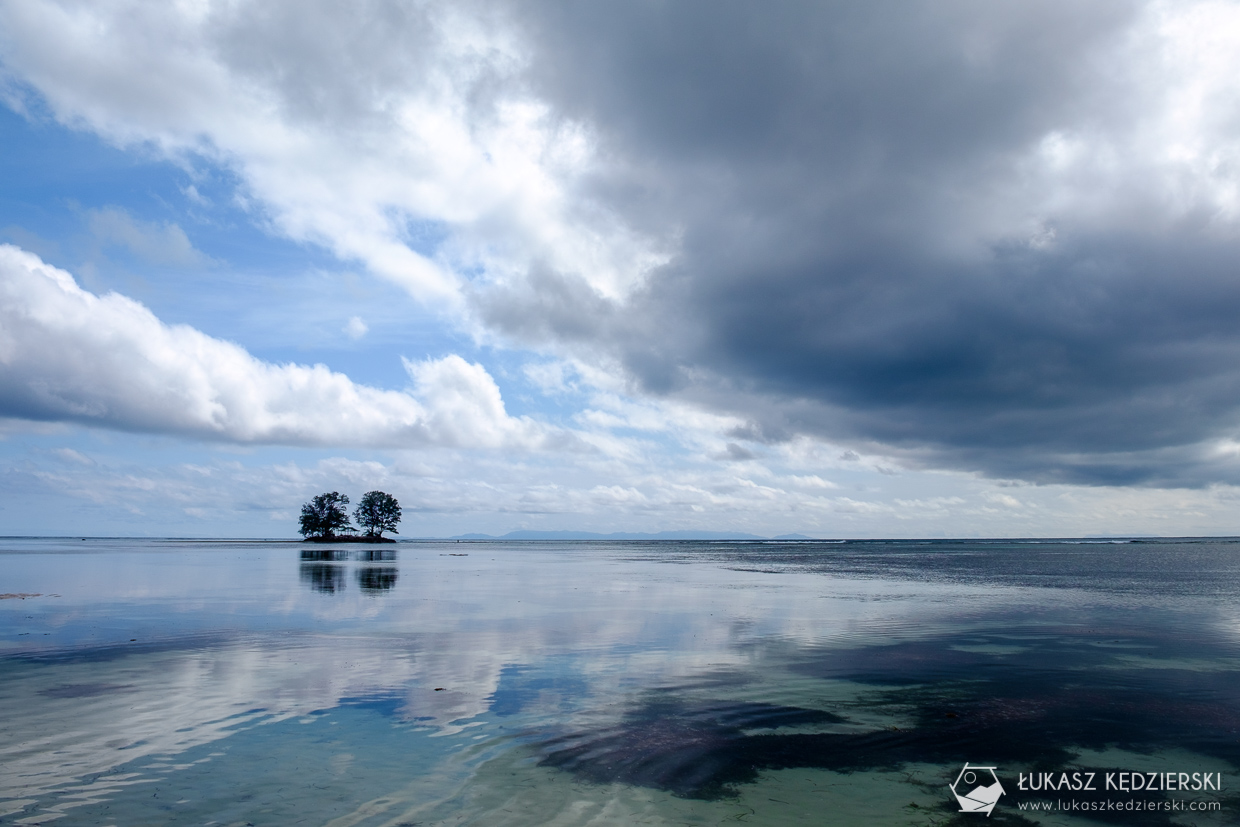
(626, 535)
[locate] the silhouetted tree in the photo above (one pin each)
(322, 516)
(377, 512)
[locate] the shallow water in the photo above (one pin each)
(193, 682)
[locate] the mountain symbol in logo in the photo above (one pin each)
(977, 789)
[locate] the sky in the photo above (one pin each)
(893, 269)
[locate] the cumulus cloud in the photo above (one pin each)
(997, 237)
(67, 354)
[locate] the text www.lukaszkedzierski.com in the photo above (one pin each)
(1131, 805)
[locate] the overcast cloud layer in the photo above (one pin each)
(999, 237)
(996, 238)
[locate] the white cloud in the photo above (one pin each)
(999, 498)
(355, 328)
(67, 354)
(191, 192)
(1170, 149)
(464, 407)
(446, 491)
(552, 378)
(164, 244)
(70, 455)
(428, 127)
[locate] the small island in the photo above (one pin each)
(326, 514)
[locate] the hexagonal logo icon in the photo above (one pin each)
(977, 789)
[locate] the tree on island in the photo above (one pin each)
(377, 512)
(322, 516)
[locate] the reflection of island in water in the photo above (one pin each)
(320, 569)
(340, 555)
(376, 579)
(323, 555)
(323, 577)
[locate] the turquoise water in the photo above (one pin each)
(231, 683)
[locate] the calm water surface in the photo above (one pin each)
(264, 683)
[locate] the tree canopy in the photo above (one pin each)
(377, 512)
(325, 515)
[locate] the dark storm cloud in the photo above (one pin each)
(989, 236)
(869, 250)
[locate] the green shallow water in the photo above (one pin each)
(231, 683)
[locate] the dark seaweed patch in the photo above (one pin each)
(1030, 708)
(85, 690)
(695, 751)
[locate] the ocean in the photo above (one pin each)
(170, 682)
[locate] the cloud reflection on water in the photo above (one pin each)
(563, 644)
(237, 647)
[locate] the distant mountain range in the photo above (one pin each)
(626, 535)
